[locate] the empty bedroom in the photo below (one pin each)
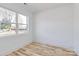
(39, 29)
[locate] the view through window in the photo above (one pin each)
(22, 23)
(9, 23)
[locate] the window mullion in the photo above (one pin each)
(16, 23)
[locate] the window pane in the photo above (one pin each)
(7, 19)
(22, 27)
(11, 16)
(22, 24)
(21, 19)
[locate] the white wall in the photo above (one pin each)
(11, 43)
(55, 26)
(76, 27)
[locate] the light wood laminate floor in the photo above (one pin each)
(37, 49)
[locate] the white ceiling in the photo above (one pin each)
(31, 7)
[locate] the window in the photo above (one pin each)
(22, 23)
(10, 25)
